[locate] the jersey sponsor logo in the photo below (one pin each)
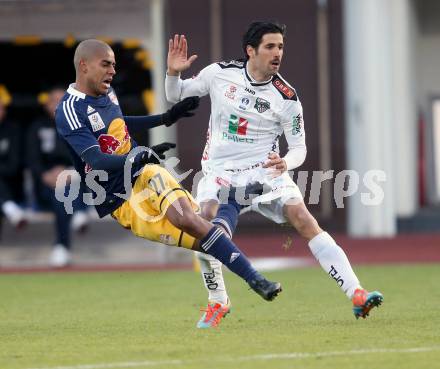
(237, 130)
(235, 138)
(237, 125)
(116, 140)
(244, 103)
(297, 123)
(283, 88)
(261, 105)
(96, 122)
(230, 92)
(119, 131)
(113, 98)
(90, 110)
(108, 143)
(252, 92)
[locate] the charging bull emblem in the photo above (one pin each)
(116, 140)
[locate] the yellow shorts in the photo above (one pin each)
(144, 212)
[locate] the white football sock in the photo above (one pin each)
(212, 276)
(334, 261)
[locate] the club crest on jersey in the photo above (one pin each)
(244, 103)
(96, 122)
(230, 92)
(113, 98)
(261, 105)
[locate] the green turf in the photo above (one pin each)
(69, 320)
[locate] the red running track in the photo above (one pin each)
(410, 248)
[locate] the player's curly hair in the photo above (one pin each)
(257, 30)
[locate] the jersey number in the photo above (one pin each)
(156, 182)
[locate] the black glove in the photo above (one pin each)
(154, 153)
(180, 110)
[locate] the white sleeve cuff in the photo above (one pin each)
(173, 87)
(295, 157)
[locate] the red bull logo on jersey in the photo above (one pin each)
(108, 143)
(116, 140)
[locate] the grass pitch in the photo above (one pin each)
(143, 320)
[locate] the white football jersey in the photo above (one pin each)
(247, 117)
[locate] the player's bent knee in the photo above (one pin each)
(305, 223)
(209, 210)
(188, 221)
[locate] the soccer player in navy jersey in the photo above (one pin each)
(155, 206)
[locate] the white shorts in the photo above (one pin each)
(276, 192)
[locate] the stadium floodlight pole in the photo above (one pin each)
(216, 30)
(157, 16)
(325, 152)
(160, 134)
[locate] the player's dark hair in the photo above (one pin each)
(257, 30)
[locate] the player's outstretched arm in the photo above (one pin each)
(182, 109)
(178, 60)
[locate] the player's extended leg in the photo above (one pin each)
(212, 240)
(225, 217)
(332, 258)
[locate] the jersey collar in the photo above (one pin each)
(253, 81)
(73, 91)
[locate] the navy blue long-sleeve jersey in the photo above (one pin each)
(84, 122)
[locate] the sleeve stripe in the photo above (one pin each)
(67, 116)
(69, 112)
(74, 112)
(67, 108)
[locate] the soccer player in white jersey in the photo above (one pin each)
(251, 107)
